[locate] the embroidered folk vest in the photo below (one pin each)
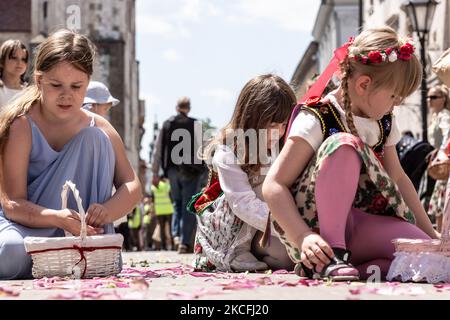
(331, 123)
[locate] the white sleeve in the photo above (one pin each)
(394, 135)
(444, 124)
(238, 191)
(307, 126)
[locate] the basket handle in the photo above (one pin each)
(70, 185)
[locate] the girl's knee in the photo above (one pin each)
(348, 152)
(15, 263)
(342, 144)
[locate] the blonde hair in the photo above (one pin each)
(61, 46)
(402, 75)
(7, 50)
(443, 89)
(264, 99)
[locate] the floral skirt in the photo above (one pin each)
(437, 201)
(376, 193)
(219, 232)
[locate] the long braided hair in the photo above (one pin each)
(346, 73)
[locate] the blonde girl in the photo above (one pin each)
(438, 102)
(337, 192)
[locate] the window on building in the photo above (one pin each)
(15, 16)
(370, 10)
(45, 9)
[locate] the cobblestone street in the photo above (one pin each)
(167, 275)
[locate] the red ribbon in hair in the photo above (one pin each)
(315, 92)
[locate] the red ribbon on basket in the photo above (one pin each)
(80, 250)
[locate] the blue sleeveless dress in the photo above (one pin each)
(88, 160)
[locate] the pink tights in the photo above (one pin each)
(367, 236)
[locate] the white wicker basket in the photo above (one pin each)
(423, 260)
(79, 257)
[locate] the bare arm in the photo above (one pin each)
(406, 188)
(15, 170)
(128, 188)
(15, 167)
(287, 167)
(291, 162)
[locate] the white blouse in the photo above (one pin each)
(245, 201)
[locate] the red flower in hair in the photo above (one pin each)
(375, 57)
(405, 52)
(389, 51)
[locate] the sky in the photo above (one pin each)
(208, 49)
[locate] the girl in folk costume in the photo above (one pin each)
(231, 212)
(13, 65)
(46, 139)
(339, 167)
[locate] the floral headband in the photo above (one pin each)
(405, 52)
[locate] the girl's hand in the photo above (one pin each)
(314, 251)
(97, 215)
(437, 235)
(71, 223)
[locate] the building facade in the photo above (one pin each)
(336, 22)
(390, 12)
(111, 26)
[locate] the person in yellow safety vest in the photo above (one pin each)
(163, 210)
(134, 225)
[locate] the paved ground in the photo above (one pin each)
(167, 275)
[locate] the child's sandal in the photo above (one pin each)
(339, 261)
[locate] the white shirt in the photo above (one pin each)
(439, 127)
(245, 201)
(307, 126)
(6, 94)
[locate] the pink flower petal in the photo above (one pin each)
(9, 292)
(239, 284)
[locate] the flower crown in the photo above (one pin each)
(405, 52)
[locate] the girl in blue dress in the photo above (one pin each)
(47, 138)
